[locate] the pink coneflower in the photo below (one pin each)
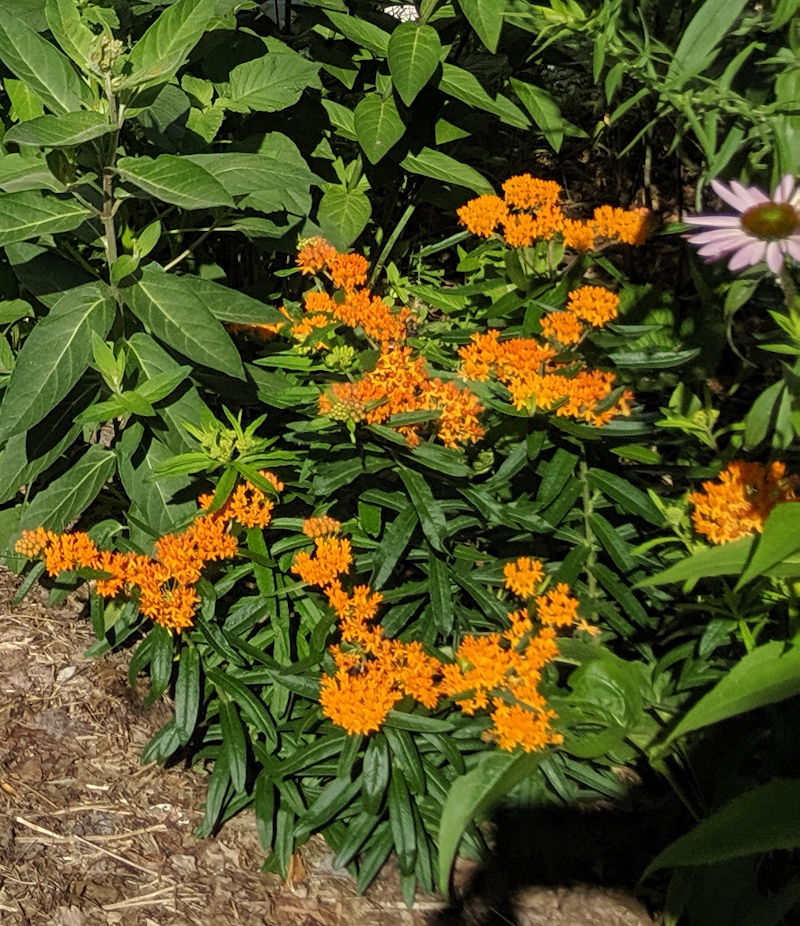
(764, 229)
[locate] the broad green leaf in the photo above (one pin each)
(768, 674)
(431, 163)
(361, 32)
(174, 179)
(272, 82)
(495, 774)
(764, 819)
(723, 560)
(188, 693)
(543, 110)
(234, 743)
(12, 310)
(709, 26)
(41, 66)
(33, 451)
(378, 126)
(230, 305)
(170, 308)
(54, 356)
(24, 102)
(59, 131)
(627, 496)
(779, 539)
(164, 47)
(29, 214)
(71, 494)
(343, 215)
(463, 85)
(155, 499)
(45, 271)
(20, 172)
(486, 18)
(413, 56)
(68, 29)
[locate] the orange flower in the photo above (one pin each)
(578, 235)
(359, 698)
(314, 255)
(527, 192)
(523, 576)
(630, 226)
(562, 327)
(593, 304)
(318, 527)
(483, 215)
(741, 500)
(557, 608)
(348, 270)
(514, 725)
(519, 230)
(331, 558)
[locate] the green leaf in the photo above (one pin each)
(234, 743)
(431, 516)
(188, 693)
(779, 539)
(763, 819)
(40, 66)
(708, 28)
(361, 32)
(726, 559)
(375, 774)
(19, 173)
(377, 125)
(29, 214)
(54, 356)
(441, 593)
(264, 806)
(248, 701)
(45, 272)
(395, 540)
(413, 56)
(768, 674)
(486, 18)
(559, 469)
(431, 163)
(171, 308)
(463, 85)
(159, 53)
(401, 821)
(34, 450)
(161, 745)
(343, 215)
(333, 798)
(406, 757)
(230, 305)
(59, 131)
(71, 494)
(68, 29)
(174, 179)
(272, 82)
(627, 496)
(495, 774)
(543, 110)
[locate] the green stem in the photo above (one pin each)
(109, 205)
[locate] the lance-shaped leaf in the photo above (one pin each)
(378, 126)
(28, 214)
(168, 305)
(163, 48)
(45, 272)
(41, 66)
(59, 131)
(229, 305)
(176, 180)
(71, 494)
(54, 356)
(414, 53)
(486, 18)
(18, 173)
(69, 30)
(432, 163)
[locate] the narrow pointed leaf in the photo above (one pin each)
(780, 538)
(431, 163)
(54, 356)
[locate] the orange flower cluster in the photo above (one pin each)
(741, 500)
(318, 527)
(400, 383)
(162, 584)
(496, 672)
(536, 381)
(530, 211)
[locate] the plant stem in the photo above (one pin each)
(591, 540)
(109, 206)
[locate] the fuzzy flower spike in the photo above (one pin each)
(763, 229)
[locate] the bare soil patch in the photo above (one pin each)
(90, 837)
